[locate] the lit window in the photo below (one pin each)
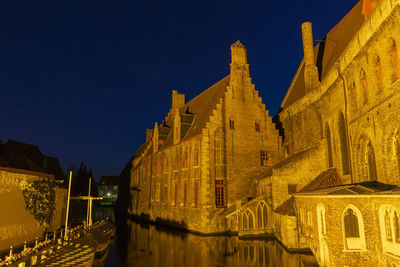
(265, 158)
(219, 193)
(257, 126)
(232, 124)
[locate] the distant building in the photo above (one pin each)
(108, 188)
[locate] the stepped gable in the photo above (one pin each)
(327, 52)
(327, 179)
(201, 107)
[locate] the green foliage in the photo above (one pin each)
(40, 199)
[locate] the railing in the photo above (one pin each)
(30, 253)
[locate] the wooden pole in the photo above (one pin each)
(69, 196)
(88, 203)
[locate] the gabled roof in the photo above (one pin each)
(364, 188)
(327, 179)
(327, 52)
(196, 113)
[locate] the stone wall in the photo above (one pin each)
(16, 223)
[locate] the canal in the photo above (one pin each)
(137, 244)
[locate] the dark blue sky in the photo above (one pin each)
(84, 79)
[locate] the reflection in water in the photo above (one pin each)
(147, 245)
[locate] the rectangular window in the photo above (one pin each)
(196, 156)
(292, 188)
(265, 158)
(184, 193)
(165, 195)
(257, 126)
(196, 193)
(232, 124)
(219, 193)
(185, 160)
(176, 194)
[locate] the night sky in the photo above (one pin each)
(84, 79)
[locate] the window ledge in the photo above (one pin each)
(355, 250)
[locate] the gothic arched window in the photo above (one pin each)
(262, 219)
(343, 145)
(329, 145)
(364, 86)
(378, 74)
(389, 226)
(353, 228)
(371, 162)
(394, 61)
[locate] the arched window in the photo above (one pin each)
(371, 162)
(364, 86)
(396, 153)
(248, 220)
(353, 228)
(262, 219)
(329, 145)
(389, 226)
(343, 145)
(353, 89)
(378, 74)
(245, 222)
(394, 61)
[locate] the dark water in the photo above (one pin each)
(146, 245)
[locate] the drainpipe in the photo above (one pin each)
(337, 65)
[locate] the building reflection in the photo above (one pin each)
(148, 245)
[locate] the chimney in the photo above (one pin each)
(177, 99)
(238, 53)
(149, 135)
(310, 69)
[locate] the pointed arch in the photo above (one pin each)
(389, 228)
(262, 215)
(353, 228)
(394, 61)
(343, 144)
(378, 74)
(364, 86)
(366, 160)
(248, 220)
(329, 145)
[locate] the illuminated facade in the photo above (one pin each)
(205, 154)
(328, 183)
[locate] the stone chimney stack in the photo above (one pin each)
(311, 77)
(149, 135)
(177, 99)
